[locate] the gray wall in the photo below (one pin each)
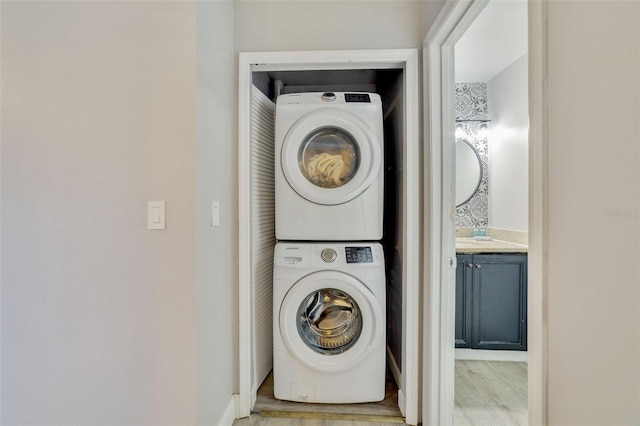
(509, 148)
(216, 180)
(322, 25)
(98, 117)
(430, 11)
(594, 200)
(104, 107)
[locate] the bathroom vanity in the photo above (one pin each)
(491, 295)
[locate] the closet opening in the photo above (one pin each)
(390, 81)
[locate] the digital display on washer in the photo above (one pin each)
(358, 254)
(356, 97)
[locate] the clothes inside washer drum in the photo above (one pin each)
(329, 321)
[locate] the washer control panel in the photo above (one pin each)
(329, 255)
(358, 254)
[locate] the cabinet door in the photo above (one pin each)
(463, 300)
(499, 305)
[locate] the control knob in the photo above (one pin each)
(328, 255)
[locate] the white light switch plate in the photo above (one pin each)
(156, 215)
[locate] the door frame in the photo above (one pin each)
(439, 229)
(407, 59)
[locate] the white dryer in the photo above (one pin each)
(329, 161)
(329, 322)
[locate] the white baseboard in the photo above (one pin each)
(230, 414)
(486, 355)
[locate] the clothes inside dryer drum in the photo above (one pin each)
(329, 157)
(330, 321)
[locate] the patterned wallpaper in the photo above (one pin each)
(471, 101)
(471, 104)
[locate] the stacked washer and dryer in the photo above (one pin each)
(329, 292)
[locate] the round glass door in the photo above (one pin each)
(329, 157)
(329, 321)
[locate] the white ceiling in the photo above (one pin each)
(494, 41)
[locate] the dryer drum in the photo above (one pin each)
(330, 321)
(329, 157)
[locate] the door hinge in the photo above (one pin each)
(453, 262)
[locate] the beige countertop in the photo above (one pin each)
(472, 246)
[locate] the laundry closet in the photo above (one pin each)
(390, 84)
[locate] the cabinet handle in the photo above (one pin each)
(478, 265)
(470, 265)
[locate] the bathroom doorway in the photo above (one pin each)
(491, 217)
(440, 209)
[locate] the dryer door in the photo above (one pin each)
(330, 156)
(329, 321)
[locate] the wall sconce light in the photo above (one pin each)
(483, 133)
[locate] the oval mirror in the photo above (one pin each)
(468, 171)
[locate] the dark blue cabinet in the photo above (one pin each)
(491, 301)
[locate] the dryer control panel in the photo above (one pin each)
(357, 97)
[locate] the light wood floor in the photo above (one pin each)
(488, 393)
(269, 411)
(255, 419)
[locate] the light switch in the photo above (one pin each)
(156, 215)
(215, 213)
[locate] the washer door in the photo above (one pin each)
(330, 156)
(329, 321)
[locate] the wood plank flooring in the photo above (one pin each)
(270, 411)
(255, 419)
(490, 393)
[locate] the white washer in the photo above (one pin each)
(329, 322)
(329, 159)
